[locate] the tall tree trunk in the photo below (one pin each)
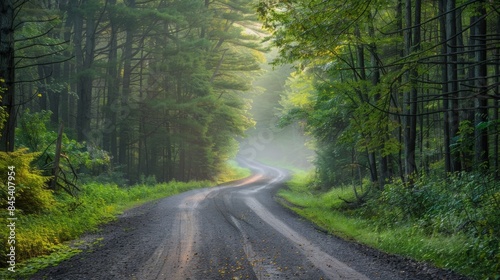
(84, 60)
(481, 73)
(375, 79)
(360, 57)
(66, 99)
(7, 74)
(110, 128)
(124, 119)
(445, 88)
(453, 86)
(55, 96)
(496, 107)
(412, 44)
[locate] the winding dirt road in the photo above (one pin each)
(235, 231)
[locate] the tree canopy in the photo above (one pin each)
(400, 88)
(156, 85)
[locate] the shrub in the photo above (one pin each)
(465, 204)
(34, 133)
(31, 194)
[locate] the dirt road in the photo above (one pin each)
(236, 231)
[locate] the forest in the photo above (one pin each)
(144, 88)
(399, 100)
(411, 87)
(107, 103)
(402, 99)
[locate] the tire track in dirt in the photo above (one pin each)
(234, 231)
(172, 257)
(330, 266)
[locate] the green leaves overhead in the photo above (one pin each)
(310, 29)
(157, 82)
(381, 80)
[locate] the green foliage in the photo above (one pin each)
(31, 266)
(232, 171)
(465, 204)
(31, 193)
(3, 114)
(463, 143)
(343, 127)
(372, 107)
(113, 175)
(452, 223)
(34, 133)
(177, 113)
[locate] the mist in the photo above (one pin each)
(266, 141)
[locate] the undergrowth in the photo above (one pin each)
(452, 223)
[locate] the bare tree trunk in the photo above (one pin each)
(7, 74)
(66, 98)
(496, 137)
(84, 55)
(360, 57)
(481, 101)
(412, 44)
(445, 90)
(57, 158)
(452, 94)
(110, 128)
(125, 132)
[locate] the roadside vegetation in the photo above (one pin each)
(87, 192)
(452, 223)
(232, 171)
(42, 236)
(68, 217)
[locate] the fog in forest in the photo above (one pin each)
(267, 141)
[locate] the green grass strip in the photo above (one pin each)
(404, 238)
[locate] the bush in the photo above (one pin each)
(34, 133)
(31, 194)
(464, 204)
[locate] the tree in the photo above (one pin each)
(156, 83)
(412, 38)
(84, 44)
(481, 85)
(7, 74)
(399, 102)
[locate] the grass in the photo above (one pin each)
(42, 239)
(232, 172)
(458, 251)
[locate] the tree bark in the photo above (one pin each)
(453, 86)
(7, 74)
(412, 44)
(110, 128)
(496, 107)
(84, 61)
(444, 89)
(481, 87)
(124, 117)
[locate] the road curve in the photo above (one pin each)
(234, 231)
